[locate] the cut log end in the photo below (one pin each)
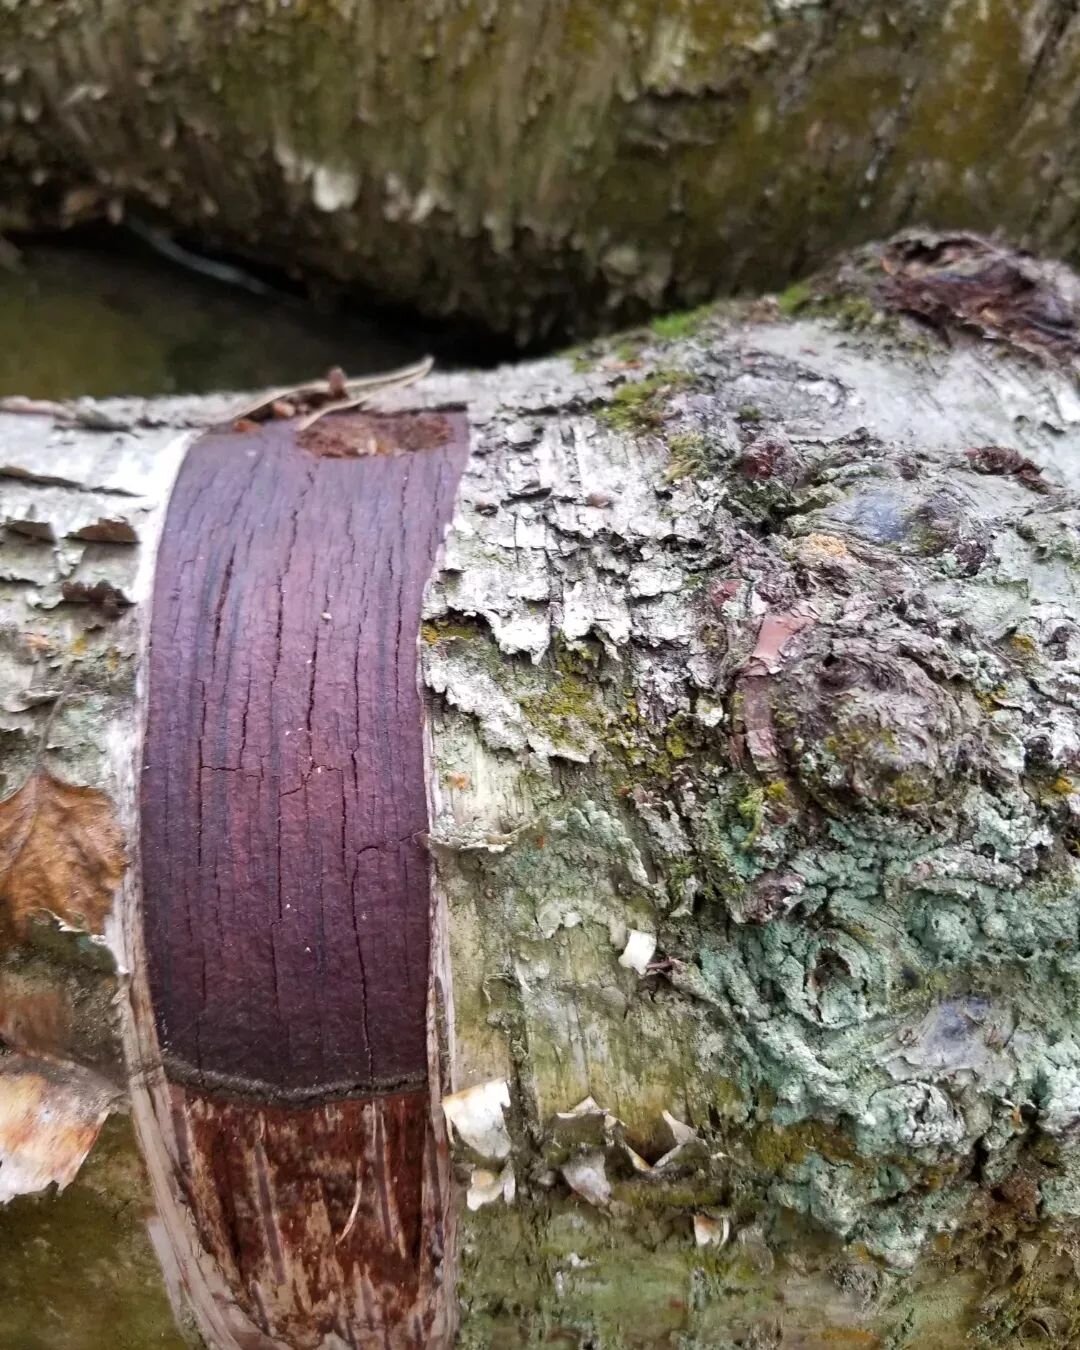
(285, 886)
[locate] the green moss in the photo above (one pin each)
(689, 455)
(1029, 1294)
(443, 630)
(571, 696)
(630, 346)
(639, 405)
(676, 746)
(582, 356)
(774, 1148)
(728, 1099)
(957, 119)
(77, 1271)
(853, 312)
(580, 658)
(752, 811)
(795, 298)
(672, 327)
(908, 789)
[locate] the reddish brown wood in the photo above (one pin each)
(285, 879)
(325, 1221)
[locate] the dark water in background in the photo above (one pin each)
(81, 318)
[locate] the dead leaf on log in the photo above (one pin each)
(61, 852)
(50, 1116)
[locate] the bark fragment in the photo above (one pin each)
(998, 291)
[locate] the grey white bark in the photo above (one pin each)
(754, 732)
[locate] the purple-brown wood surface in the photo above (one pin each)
(285, 882)
(284, 804)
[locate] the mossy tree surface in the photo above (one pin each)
(543, 163)
(755, 727)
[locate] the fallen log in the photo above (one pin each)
(536, 166)
(583, 852)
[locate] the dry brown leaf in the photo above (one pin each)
(50, 1116)
(61, 851)
(334, 394)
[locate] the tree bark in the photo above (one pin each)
(544, 165)
(752, 718)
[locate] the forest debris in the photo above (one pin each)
(586, 1175)
(476, 838)
(33, 407)
(768, 896)
(681, 1132)
(638, 952)
(588, 1106)
(61, 852)
(773, 636)
(689, 1147)
(101, 595)
(769, 457)
(485, 1187)
(710, 1232)
(64, 414)
(586, 1123)
(50, 1117)
(637, 1162)
(106, 530)
(775, 631)
(476, 1114)
(52, 513)
(373, 434)
(335, 393)
(1003, 293)
(759, 733)
(999, 459)
(25, 699)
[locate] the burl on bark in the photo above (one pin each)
(284, 871)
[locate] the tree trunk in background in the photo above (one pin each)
(544, 165)
(751, 683)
